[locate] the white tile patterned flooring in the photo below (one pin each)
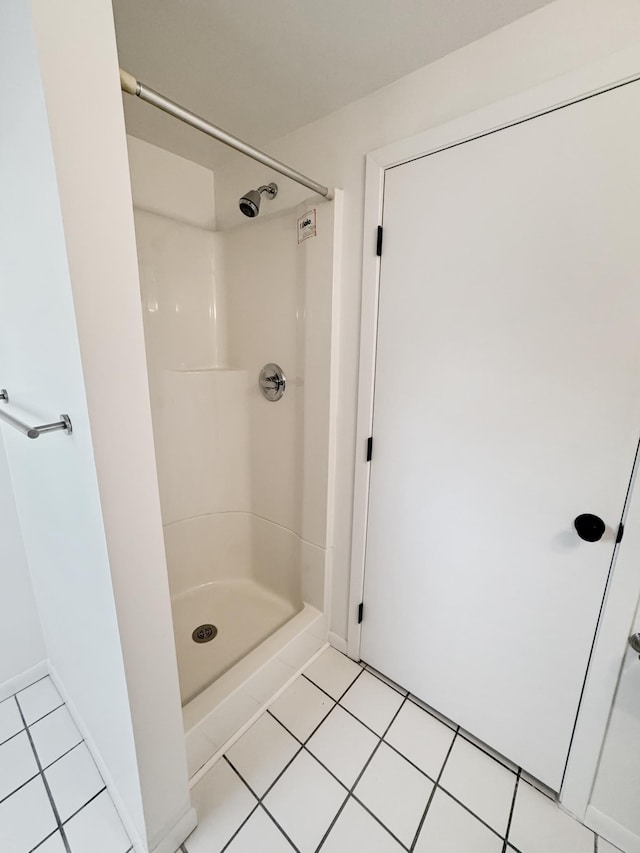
(343, 761)
(346, 761)
(52, 797)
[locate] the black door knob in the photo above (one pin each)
(589, 527)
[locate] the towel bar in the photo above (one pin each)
(33, 431)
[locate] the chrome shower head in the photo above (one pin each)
(250, 201)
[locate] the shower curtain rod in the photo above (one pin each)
(129, 84)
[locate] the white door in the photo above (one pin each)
(507, 403)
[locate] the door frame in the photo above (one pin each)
(621, 597)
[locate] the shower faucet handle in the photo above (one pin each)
(277, 381)
(272, 382)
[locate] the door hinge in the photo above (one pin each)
(360, 611)
(620, 533)
(379, 242)
(369, 448)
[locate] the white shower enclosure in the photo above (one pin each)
(245, 483)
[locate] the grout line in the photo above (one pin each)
(37, 681)
(288, 731)
(431, 796)
(57, 708)
(90, 800)
(432, 712)
(513, 805)
(409, 761)
(6, 740)
(358, 777)
(457, 732)
(398, 689)
(501, 761)
(202, 771)
(335, 704)
(326, 716)
(406, 697)
(536, 788)
(344, 692)
(272, 818)
(387, 681)
(472, 813)
(280, 723)
(11, 738)
(252, 812)
(311, 734)
(259, 799)
(244, 781)
(330, 772)
(351, 714)
(381, 738)
(378, 820)
(306, 741)
(20, 786)
(357, 719)
(55, 761)
(44, 840)
(46, 783)
(303, 748)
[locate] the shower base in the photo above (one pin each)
(244, 613)
(227, 707)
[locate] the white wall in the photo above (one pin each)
(163, 183)
(90, 152)
(21, 638)
(54, 477)
(72, 335)
(556, 39)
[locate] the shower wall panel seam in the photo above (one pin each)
(248, 513)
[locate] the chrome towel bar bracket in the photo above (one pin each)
(33, 431)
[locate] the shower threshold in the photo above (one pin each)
(221, 712)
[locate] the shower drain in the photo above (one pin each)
(204, 633)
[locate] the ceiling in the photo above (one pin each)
(261, 68)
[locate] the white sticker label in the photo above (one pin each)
(307, 225)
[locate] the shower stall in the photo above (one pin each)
(245, 474)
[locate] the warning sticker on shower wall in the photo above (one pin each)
(307, 225)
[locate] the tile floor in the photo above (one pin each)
(343, 761)
(346, 761)
(52, 797)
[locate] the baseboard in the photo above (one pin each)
(139, 845)
(612, 831)
(24, 679)
(178, 834)
(337, 642)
